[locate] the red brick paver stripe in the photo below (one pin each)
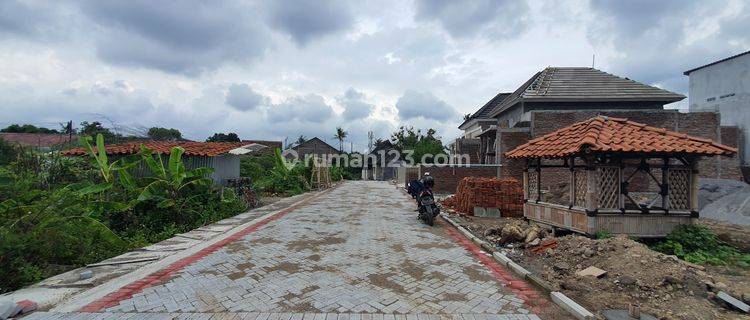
(520, 288)
(112, 299)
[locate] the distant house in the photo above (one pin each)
(724, 86)
(382, 163)
(508, 116)
(223, 157)
(314, 147)
(473, 127)
(40, 141)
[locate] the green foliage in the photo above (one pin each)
(59, 213)
(276, 176)
(158, 133)
(256, 167)
(8, 152)
(224, 137)
(698, 244)
(407, 139)
(603, 234)
(95, 128)
(27, 128)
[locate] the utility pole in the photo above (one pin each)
(370, 137)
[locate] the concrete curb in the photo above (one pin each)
(571, 306)
(557, 297)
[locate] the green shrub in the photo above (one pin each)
(60, 213)
(698, 244)
(8, 152)
(603, 234)
(278, 178)
(257, 167)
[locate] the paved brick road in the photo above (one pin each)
(355, 252)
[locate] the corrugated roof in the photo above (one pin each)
(583, 84)
(616, 135)
(192, 148)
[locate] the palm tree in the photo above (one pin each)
(340, 136)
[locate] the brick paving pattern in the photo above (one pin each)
(356, 252)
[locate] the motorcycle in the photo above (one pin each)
(427, 207)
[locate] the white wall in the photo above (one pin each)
(725, 87)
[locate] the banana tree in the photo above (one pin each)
(170, 184)
(108, 171)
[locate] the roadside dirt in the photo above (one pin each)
(660, 285)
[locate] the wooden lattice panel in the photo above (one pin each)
(609, 187)
(679, 189)
(532, 184)
(581, 184)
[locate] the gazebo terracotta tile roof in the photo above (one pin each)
(192, 148)
(616, 135)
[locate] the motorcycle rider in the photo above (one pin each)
(415, 187)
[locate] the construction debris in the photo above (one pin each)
(655, 283)
(486, 194)
(591, 271)
(635, 275)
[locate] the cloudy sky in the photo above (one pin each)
(276, 69)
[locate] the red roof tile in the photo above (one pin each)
(616, 135)
(192, 148)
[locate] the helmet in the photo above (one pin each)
(429, 181)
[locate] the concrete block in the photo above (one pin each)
(571, 306)
(732, 301)
(539, 282)
(500, 257)
(480, 212)
(493, 213)
(518, 269)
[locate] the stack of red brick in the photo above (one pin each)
(504, 194)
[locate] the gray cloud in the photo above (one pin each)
(415, 104)
(28, 20)
(500, 18)
(307, 20)
(243, 98)
(354, 105)
(307, 108)
(186, 37)
(655, 45)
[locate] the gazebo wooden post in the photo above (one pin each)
(592, 188)
(665, 185)
(623, 186)
(526, 180)
(572, 183)
(693, 192)
(539, 180)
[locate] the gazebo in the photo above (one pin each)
(622, 177)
